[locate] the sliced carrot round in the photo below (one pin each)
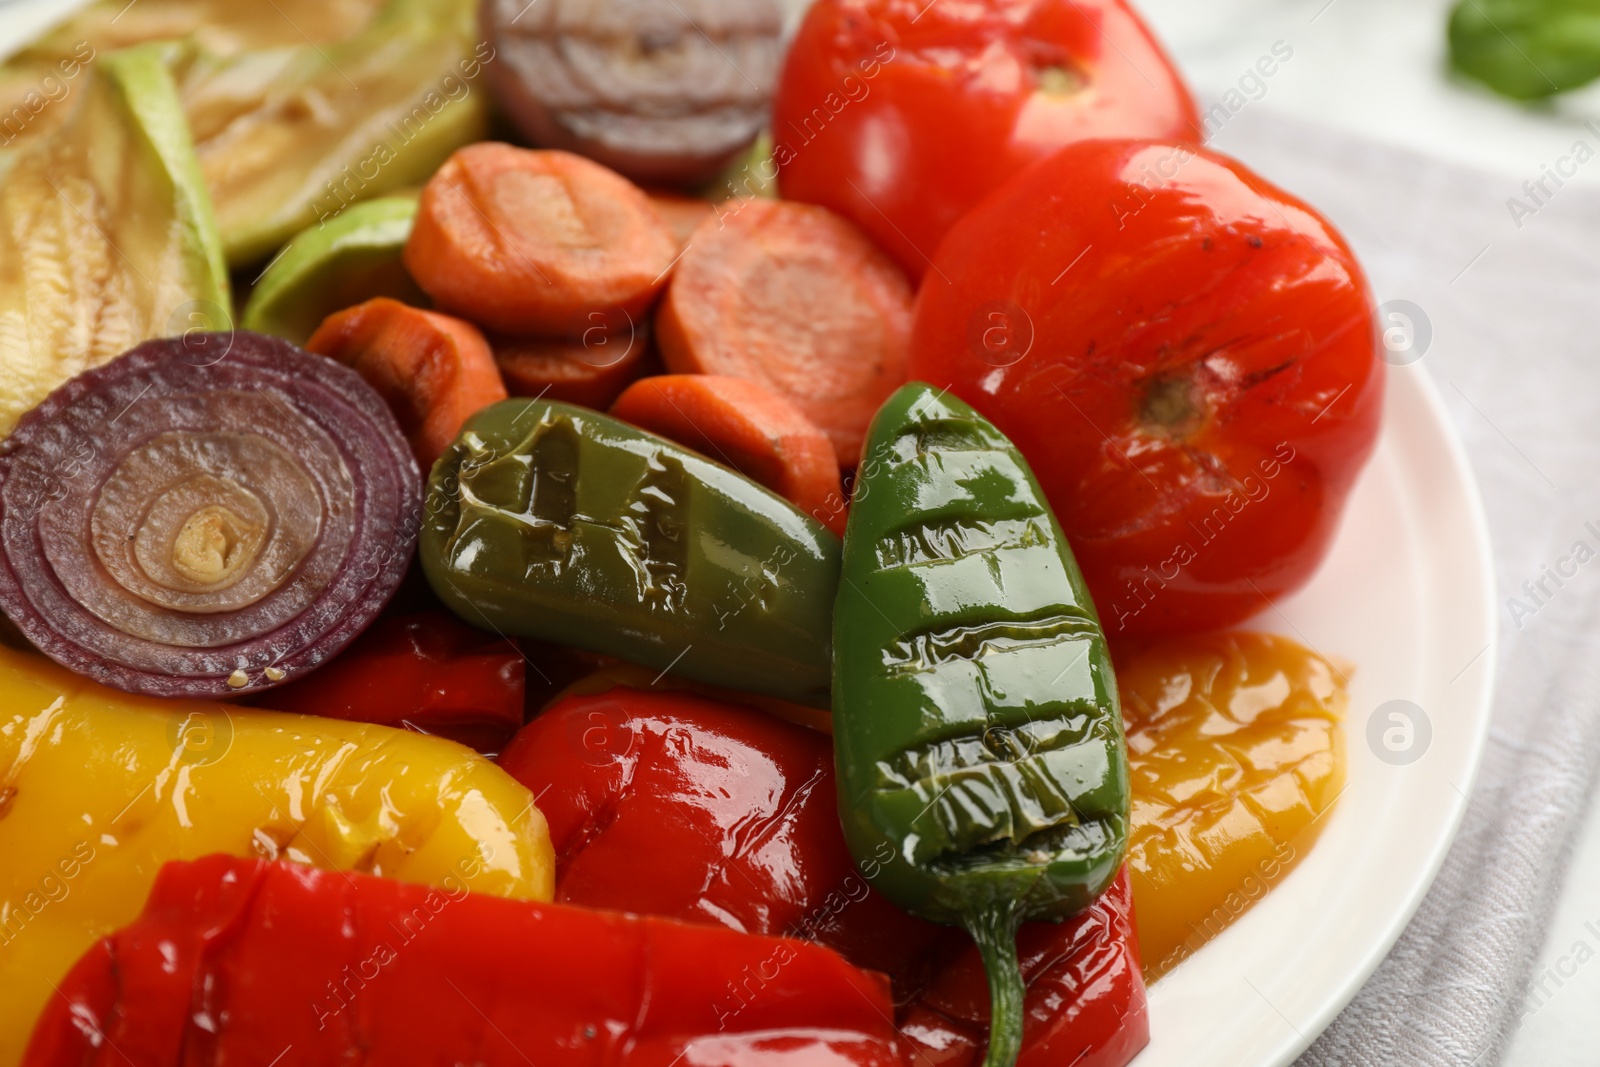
(796, 298)
(530, 242)
(433, 370)
(591, 371)
(747, 426)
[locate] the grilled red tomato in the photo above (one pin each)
(902, 114)
(1186, 355)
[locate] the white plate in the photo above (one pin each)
(1407, 595)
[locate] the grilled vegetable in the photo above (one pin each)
(797, 299)
(205, 515)
(1086, 997)
(299, 108)
(538, 243)
(976, 727)
(634, 778)
(1218, 333)
(293, 136)
(590, 372)
(1237, 750)
(659, 90)
(37, 80)
(358, 969)
(428, 672)
(747, 426)
(432, 369)
(335, 265)
(106, 234)
(902, 116)
(99, 789)
(547, 520)
(1527, 49)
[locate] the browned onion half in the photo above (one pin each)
(189, 528)
(660, 91)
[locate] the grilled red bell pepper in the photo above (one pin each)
(427, 672)
(672, 804)
(247, 962)
(1085, 1003)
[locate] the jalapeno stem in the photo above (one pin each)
(995, 931)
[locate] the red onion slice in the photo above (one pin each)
(189, 530)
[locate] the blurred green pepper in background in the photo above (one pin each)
(552, 521)
(1527, 49)
(976, 725)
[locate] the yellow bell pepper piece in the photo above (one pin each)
(98, 789)
(1236, 748)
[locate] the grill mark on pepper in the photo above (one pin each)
(916, 767)
(978, 734)
(534, 486)
(924, 649)
(659, 533)
(1080, 839)
(553, 496)
(935, 436)
(956, 808)
(1007, 784)
(958, 538)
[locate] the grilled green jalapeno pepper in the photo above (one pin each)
(976, 724)
(553, 521)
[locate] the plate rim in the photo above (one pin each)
(1482, 703)
(1434, 432)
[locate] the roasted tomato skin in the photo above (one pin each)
(1186, 355)
(901, 114)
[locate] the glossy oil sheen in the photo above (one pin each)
(1085, 1004)
(99, 789)
(976, 722)
(730, 810)
(320, 970)
(1237, 749)
(552, 521)
(734, 814)
(903, 114)
(1187, 356)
